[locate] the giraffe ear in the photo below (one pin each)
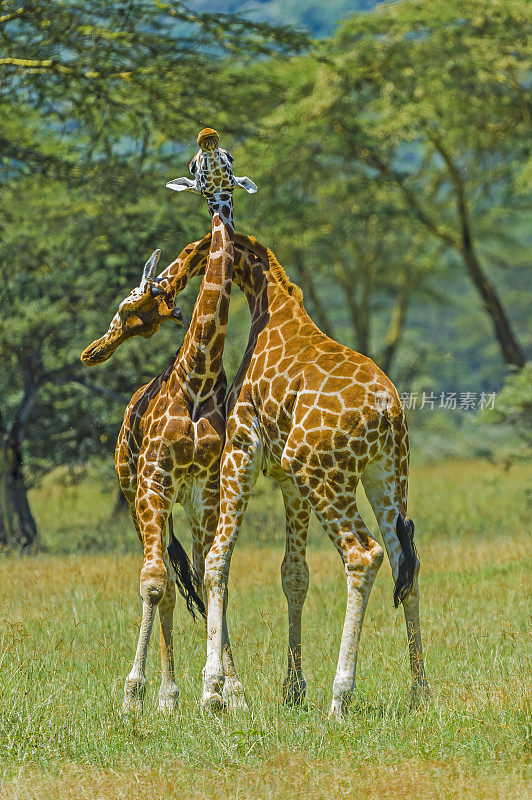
(149, 269)
(247, 184)
(182, 185)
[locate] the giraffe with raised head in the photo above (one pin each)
(318, 418)
(173, 432)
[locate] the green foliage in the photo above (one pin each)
(94, 125)
(513, 413)
(112, 71)
(514, 403)
(399, 203)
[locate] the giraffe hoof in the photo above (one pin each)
(168, 700)
(337, 715)
(338, 710)
(134, 691)
(212, 702)
(132, 706)
(233, 696)
(294, 692)
(420, 697)
(213, 683)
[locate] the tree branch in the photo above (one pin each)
(511, 350)
(49, 65)
(14, 15)
(374, 159)
(103, 390)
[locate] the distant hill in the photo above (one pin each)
(318, 16)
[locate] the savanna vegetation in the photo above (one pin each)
(391, 146)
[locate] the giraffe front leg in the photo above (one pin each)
(239, 470)
(295, 579)
(213, 671)
(233, 695)
(135, 685)
(222, 688)
(203, 520)
(152, 509)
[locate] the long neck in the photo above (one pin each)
(254, 274)
(200, 361)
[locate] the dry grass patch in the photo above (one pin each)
(286, 777)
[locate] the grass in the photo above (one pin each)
(68, 625)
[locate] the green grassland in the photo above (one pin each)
(68, 622)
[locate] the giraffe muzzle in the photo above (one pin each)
(179, 317)
(98, 352)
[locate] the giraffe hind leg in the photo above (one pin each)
(135, 684)
(398, 534)
(151, 520)
(362, 556)
(295, 580)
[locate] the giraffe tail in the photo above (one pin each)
(404, 526)
(187, 581)
(408, 560)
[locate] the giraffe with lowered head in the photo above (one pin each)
(172, 436)
(317, 417)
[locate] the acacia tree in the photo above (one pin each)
(94, 111)
(433, 100)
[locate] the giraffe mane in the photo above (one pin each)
(275, 269)
(281, 277)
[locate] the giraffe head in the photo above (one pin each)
(139, 314)
(212, 167)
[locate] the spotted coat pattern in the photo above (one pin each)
(317, 417)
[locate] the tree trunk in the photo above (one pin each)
(395, 329)
(20, 527)
(358, 313)
(18, 522)
(4, 535)
(512, 353)
(4, 532)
